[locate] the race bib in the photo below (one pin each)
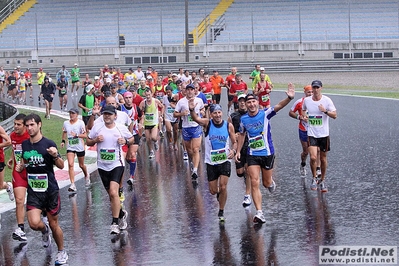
(38, 182)
(315, 121)
(257, 143)
(218, 156)
(90, 112)
(18, 156)
(73, 141)
(149, 117)
(190, 119)
(108, 155)
(208, 96)
(170, 110)
(239, 93)
(63, 91)
(265, 98)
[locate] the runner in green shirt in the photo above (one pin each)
(75, 73)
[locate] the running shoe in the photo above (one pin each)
(221, 216)
(87, 181)
(302, 171)
(313, 186)
(121, 196)
(318, 172)
(123, 221)
(61, 258)
(65, 108)
(10, 191)
(72, 188)
(152, 155)
(46, 236)
(156, 146)
(323, 186)
(114, 229)
(272, 187)
(247, 201)
(194, 175)
(259, 217)
(19, 235)
(130, 181)
(185, 155)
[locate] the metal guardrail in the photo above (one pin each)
(9, 8)
(7, 115)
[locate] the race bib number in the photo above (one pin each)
(239, 93)
(190, 119)
(73, 141)
(170, 110)
(38, 182)
(90, 112)
(265, 98)
(63, 91)
(208, 96)
(218, 156)
(257, 143)
(18, 156)
(315, 121)
(149, 117)
(108, 155)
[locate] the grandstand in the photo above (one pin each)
(152, 23)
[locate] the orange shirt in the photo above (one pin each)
(216, 84)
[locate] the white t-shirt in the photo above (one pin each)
(73, 143)
(169, 110)
(182, 105)
(109, 152)
(121, 118)
(318, 126)
(139, 75)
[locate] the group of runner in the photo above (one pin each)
(119, 110)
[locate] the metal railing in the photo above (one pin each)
(7, 115)
(9, 8)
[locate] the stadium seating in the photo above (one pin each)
(99, 23)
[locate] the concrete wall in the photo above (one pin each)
(210, 53)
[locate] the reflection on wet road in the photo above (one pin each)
(173, 223)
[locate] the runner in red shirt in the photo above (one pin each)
(207, 89)
(230, 79)
(262, 90)
(19, 180)
(236, 89)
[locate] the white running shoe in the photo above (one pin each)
(247, 201)
(72, 188)
(156, 146)
(152, 155)
(115, 229)
(123, 221)
(10, 191)
(61, 258)
(259, 217)
(185, 156)
(302, 170)
(46, 236)
(87, 181)
(19, 235)
(272, 187)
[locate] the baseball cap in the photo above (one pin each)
(89, 87)
(113, 85)
(108, 80)
(215, 107)
(262, 69)
(169, 88)
(63, 65)
(18, 66)
(317, 83)
(250, 96)
(96, 77)
(131, 69)
(75, 64)
(307, 88)
(149, 77)
(174, 75)
(109, 109)
(190, 86)
(120, 83)
(127, 94)
(215, 70)
(143, 79)
(242, 96)
(138, 66)
(21, 73)
(74, 110)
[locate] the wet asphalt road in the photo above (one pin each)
(173, 223)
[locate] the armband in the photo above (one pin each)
(326, 112)
(57, 157)
(63, 141)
